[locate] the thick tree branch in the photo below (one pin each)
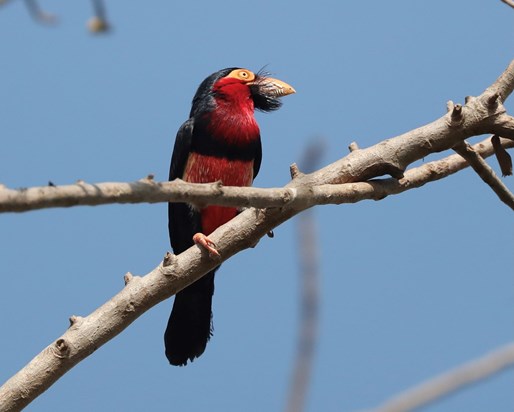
(487, 174)
(480, 115)
(435, 389)
(148, 191)
(85, 335)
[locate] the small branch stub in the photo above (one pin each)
(457, 112)
(168, 259)
(353, 147)
(295, 172)
(128, 278)
(149, 178)
(74, 319)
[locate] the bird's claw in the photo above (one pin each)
(203, 241)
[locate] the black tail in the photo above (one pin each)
(189, 326)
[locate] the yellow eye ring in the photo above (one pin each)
(242, 74)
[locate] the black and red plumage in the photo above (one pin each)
(219, 142)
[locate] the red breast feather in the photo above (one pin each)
(232, 124)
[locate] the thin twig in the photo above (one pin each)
(487, 174)
(451, 381)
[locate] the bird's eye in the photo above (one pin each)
(243, 74)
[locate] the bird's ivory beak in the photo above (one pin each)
(273, 87)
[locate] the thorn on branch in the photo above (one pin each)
(51, 184)
(449, 106)
(150, 176)
(80, 182)
(503, 157)
(271, 234)
(353, 147)
(295, 172)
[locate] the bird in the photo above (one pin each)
(219, 142)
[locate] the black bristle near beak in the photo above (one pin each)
(263, 100)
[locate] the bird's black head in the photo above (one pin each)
(264, 90)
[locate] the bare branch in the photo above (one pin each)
(85, 335)
(353, 146)
(392, 156)
(148, 191)
(487, 174)
(480, 115)
(451, 381)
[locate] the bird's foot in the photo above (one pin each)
(203, 241)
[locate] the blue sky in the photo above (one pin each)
(411, 286)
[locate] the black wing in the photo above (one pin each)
(181, 149)
(183, 221)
